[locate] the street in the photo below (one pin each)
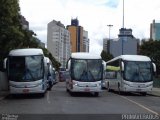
(58, 101)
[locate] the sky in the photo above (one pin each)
(93, 16)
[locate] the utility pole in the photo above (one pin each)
(109, 29)
(108, 46)
(123, 27)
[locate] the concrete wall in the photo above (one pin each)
(3, 81)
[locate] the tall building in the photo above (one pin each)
(58, 42)
(106, 45)
(125, 44)
(85, 41)
(155, 30)
(79, 37)
(24, 22)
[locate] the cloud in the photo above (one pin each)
(113, 3)
(93, 15)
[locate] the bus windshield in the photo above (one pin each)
(138, 71)
(25, 68)
(86, 70)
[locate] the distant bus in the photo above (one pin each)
(27, 71)
(130, 73)
(51, 78)
(86, 73)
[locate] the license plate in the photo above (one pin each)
(25, 90)
(86, 89)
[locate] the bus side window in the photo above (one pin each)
(111, 75)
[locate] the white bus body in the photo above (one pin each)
(130, 73)
(86, 72)
(27, 71)
(51, 77)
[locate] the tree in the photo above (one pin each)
(106, 56)
(12, 35)
(11, 29)
(55, 63)
(152, 49)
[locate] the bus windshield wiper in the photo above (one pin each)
(91, 75)
(30, 74)
(83, 74)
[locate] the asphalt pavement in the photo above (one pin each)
(154, 92)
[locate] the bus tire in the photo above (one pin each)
(41, 94)
(143, 93)
(50, 86)
(108, 89)
(96, 94)
(119, 90)
(67, 90)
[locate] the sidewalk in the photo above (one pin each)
(155, 92)
(3, 94)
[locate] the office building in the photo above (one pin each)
(85, 41)
(125, 44)
(155, 30)
(58, 42)
(79, 37)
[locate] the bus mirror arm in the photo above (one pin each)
(5, 64)
(122, 65)
(154, 67)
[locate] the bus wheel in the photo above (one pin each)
(96, 94)
(108, 89)
(49, 86)
(41, 94)
(143, 93)
(119, 91)
(67, 90)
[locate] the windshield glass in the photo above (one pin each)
(138, 71)
(86, 70)
(29, 68)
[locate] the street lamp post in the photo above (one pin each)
(109, 29)
(109, 36)
(123, 27)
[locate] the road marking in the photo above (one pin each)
(48, 98)
(140, 105)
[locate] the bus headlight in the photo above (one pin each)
(74, 83)
(148, 85)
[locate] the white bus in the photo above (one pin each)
(86, 72)
(27, 71)
(130, 73)
(51, 78)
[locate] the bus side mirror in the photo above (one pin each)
(104, 65)
(111, 75)
(5, 64)
(68, 65)
(122, 65)
(154, 67)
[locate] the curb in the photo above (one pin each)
(155, 92)
(3, 94)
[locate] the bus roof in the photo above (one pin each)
(83, 55)
(26, 52)
(131, 58)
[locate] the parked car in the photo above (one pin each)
(64, 76)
